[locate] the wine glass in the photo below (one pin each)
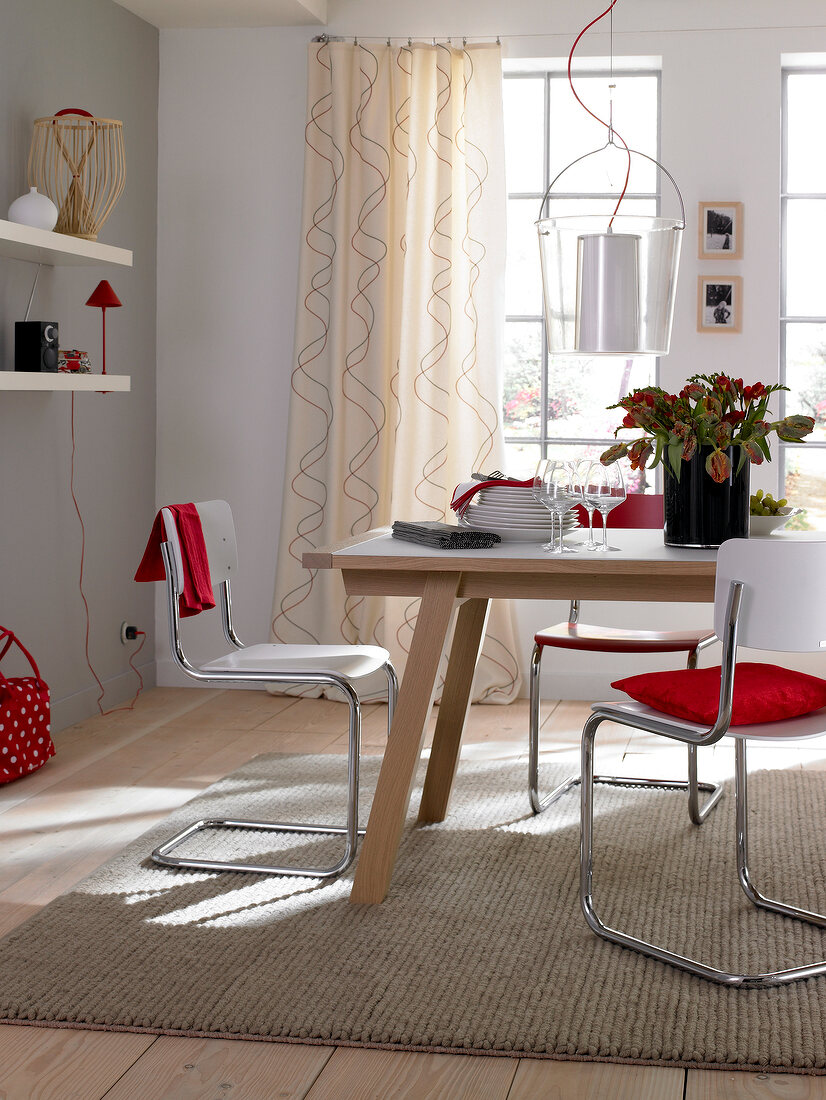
(541, 497)
(558, 492)
(605, 490)
(583, 469)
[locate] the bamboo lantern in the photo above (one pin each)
(79, 162)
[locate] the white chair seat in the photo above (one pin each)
(807, 725)
(352, 662)
(338, 667)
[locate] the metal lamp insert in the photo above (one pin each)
(607, 293)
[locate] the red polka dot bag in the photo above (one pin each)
(25, 741)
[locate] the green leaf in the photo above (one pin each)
(658, 451)
(675, 457)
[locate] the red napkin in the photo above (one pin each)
(197, 594)
(463, 494)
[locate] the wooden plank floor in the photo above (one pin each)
(60, 823)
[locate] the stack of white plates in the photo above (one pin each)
(513, 514)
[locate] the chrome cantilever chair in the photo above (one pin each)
(341, 666)
(792, 620)
(646, 512)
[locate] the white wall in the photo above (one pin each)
(231, 135)
(231, 150)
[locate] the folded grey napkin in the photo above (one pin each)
(443, 536)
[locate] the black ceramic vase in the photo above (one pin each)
(701, 512)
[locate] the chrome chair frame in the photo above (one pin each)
(676, 730)
(696, 812)
(350, 831)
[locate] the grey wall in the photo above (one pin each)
(95, 55)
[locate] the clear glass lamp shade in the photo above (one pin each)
(609, 283)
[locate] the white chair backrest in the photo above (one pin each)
(219, 538)
(784, 596)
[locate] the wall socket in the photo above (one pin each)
(128, 633)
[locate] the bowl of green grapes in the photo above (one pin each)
(768, 515)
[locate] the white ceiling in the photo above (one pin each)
(229, 13)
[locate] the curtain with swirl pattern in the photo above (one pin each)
(396, 386)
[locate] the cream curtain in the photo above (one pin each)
(397, 378)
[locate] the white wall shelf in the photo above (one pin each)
(48, 381)
(44, 246)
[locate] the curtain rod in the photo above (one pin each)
(499, 38)
(389, 39)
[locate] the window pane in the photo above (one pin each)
(579, 390)
(523, 378)
(806, 374)
(524, 100)
(805, 245)
(806, 168)
(806, 486)
(521, 459)
(574, 133)
(523, 294)
(571, 208)
(636, 481)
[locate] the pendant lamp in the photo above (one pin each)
(609, 280)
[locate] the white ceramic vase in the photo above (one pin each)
(34, 209)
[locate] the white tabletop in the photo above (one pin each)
(632, 545)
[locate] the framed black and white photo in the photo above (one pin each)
(719, 303)
(721, 231)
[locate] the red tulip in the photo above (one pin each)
(614, 453)
(718, 466)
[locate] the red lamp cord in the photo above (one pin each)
(609, 126)
(128, 706)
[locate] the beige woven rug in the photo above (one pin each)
(480, 946)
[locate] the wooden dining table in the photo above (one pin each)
(643, 569)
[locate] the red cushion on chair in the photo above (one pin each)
(762, 693)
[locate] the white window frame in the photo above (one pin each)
(785, 317)
(551, 74)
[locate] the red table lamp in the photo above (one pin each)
(104, 298)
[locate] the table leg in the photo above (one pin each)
(404, 746)
(447, 739)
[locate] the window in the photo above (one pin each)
(545, 130)
(803, 289)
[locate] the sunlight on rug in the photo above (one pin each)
(480, 946)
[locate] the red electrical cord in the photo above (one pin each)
(609, 126)
(128, 706)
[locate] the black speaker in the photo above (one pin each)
(35, 346)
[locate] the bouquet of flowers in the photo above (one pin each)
(709, 411)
